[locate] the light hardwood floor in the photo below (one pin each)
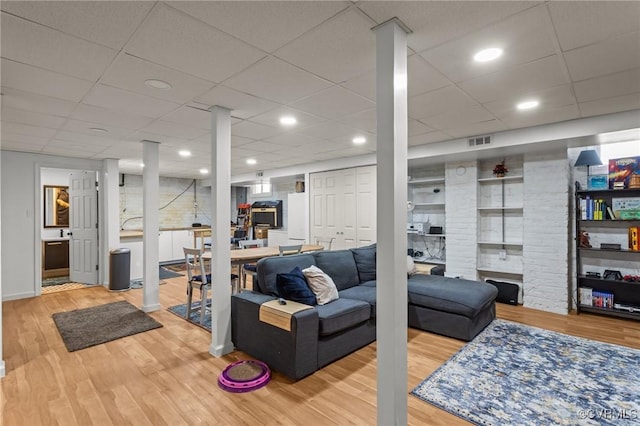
(167, 377)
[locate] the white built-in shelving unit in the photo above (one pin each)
(427, 197)
(500, 221)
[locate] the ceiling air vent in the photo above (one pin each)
(479, 140)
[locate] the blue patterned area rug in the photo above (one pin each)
(513, 374)
(181, 310)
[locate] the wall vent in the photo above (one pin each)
(479, 140)
(259, 173)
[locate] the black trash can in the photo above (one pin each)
(119, 269)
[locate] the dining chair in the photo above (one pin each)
(292, 249)
(195, 273)
(249, 268)
(326, 243)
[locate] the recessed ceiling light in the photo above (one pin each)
(527, 105)
(157, 84)
(359, 140)
(288, 120)
(204, 171)
(98, 130)
(487, 55)
(251, 161)
(141, 164)
(184, 153)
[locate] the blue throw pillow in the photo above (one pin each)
(293, 286)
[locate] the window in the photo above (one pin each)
(262, 188)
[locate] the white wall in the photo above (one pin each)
(20, 210)
(546, 228)
(2, 367)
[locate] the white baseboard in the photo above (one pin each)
(219, 351)
(2, 372)
(151, 308)
(17, 296)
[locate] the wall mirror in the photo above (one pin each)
(56, 206)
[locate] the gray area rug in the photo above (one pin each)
(83, 328)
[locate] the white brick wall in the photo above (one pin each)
(546, 232)
(461, 224)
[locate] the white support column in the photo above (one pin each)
(109, 182)
(150, 226)
(2, 368)
(391, 104)
(221, 217)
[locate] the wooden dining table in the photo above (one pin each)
(252, 255)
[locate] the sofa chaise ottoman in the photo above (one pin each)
(318, 336)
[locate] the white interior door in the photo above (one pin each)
(326, 210)
(366, 202)
(83, 228)
(347, 206)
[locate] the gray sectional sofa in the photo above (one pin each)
(448, 306)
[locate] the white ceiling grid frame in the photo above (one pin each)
(341, 48)
(242, 105)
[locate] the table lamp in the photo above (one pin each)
(588, 157)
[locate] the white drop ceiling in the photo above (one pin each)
(71, 67)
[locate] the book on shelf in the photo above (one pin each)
(595, 209)
(633, 238)
(586, 294)
(602, 299)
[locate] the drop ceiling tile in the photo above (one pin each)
(18, 99)
(312, 149)
(125, 150)
(549, 98)
(607, 57)
(439, 101)
(351, 152)
(261, 146)
(249, 129)
(27, 130)
(334, 103)
(33, 44)
(239, 141)
(242, 154)
(121, 100)
(42, 82)
(610, 105)
(436, 22)
(176, 130)
(190, 116)
(289, 140)
(417, 128)
(328, 130)
(365, 120)
(460, 117)
(103, 22)
(524, 37)
(476, 129)
(536, 75)
(79, 126)
(204, 141)
(276, 81)
(422, 77)
(57, 145)
(172, 39)
(587, 22)
(518, 120)
(364, 85)
(15, 145)
(341, 48)
(272, 118)
(31, 118)
(608, 86)
(17, 139)
(140, 136)
(242, 105)
(254, 22)
(430, 137)
(111, 117)
(130, 73)
(84, 138)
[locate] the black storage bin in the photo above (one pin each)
(507, 292)
(119, 269)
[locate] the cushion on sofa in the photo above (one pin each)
(293, 286)
(269, 267)
(364, 293)
(457, 296)
(365, 258)
(320, 284)
(340, 266)
(341, 314)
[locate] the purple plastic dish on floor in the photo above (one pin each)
(244, 376)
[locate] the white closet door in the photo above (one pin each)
(366, 205)
(343, 206)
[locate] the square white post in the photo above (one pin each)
(391, 291)
(150, 226)
(109, 183)
(220, 243)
